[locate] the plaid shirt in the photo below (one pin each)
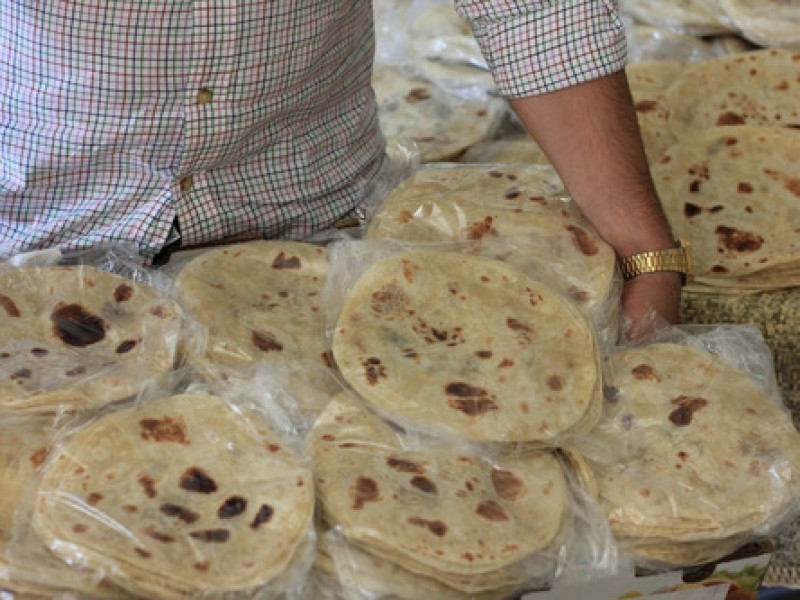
(236, 116)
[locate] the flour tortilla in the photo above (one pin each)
(766, 22)
(261, 301)
(345, 566)
(26, 566)
(514, 149)
(434, 509)
(683, 16)
(412, 109)
(178, 496)
(649, 82)
(734, 194)
(698, 452)
(507, 212)
(750, 88)
(77, 337)
(459, 344)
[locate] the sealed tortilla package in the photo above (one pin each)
(463, 345)
(514, 213)
(259, 301)
(27, 567)
(462, 517)
(695, 454)
(83, 333)
(187, 493)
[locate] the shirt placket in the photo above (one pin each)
(213, 56)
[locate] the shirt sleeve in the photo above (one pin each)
(538, 46)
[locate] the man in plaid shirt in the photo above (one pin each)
(119, 119)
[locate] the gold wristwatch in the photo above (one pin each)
(678, 259)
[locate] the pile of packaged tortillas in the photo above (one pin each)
(440, 403)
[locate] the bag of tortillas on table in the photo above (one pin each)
(405, 512)
(83, 330)
(695, 454)
(515, 213)
(199, 490)
(457, 344)
(27, 567)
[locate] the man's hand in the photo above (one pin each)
(650, 298)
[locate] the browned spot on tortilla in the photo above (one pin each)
(389, 301)
(159, 311)
(483, 354)
(38, 457)
(694, 186)
(644, 492)
(691, 210)
(266, 342)
(782, 86)
(730, 118)
(374, 371)
(142, 552)
(76, 326)
(9, 306)
(738, 241)
(148, 485)
(418, 95)
(744, 188)
(507, 485)
(159, 536)
(719, 269)
(582, 240)
(423, 484)
(793, 185)
(168, 429)
(23, 373)
(404, 216)
(211, 535)
(180, 512)
(437, 528)
(75, 372)
(644, 372)
(491, 511)
(578, 295)
(686, 407)
(555, 382)
(684, 456)
(126, 346)
(516, 325)
(194, 479)
(94, 498)
(404, 466)
(472, 401)
(263, 515)
(496, 174)
(479, 229)
(365, 490)
(202, 566)
(611, 394)
(39, 352)
(645, 106)
(80, 528)
(505, 363)
(123, 293)
(130, 508)
(232, 507)
(286, 262)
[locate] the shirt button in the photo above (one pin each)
(186, 183)
(204, 95)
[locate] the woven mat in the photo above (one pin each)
(777, 314)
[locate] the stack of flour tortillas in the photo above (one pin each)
(176, 498)
(259, 301)
(436, 510)
(79, 337)
(697, 455)
(454, 343)
(511, 213)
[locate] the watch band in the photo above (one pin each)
(678, 259)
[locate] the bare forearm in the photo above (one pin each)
(591, 135)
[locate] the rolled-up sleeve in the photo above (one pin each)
(539, 46)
